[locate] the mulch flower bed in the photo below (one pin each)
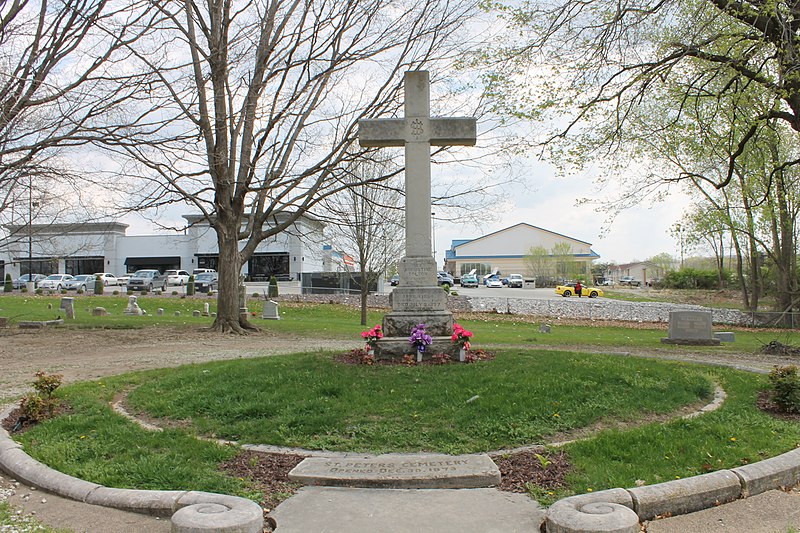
(765, 403)
(519, 469)
(359, 356)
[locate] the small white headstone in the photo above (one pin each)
(270, 311)
(160, 311)
(177, 313)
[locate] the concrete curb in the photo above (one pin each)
(610, 511)
(191, 512)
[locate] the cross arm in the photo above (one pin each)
(381, 132)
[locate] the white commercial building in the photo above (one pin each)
(105, 247)
(504, 251)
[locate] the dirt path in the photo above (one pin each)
(89, 354)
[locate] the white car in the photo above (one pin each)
(516, 280)
(171, 277)
(108, 278)
(494, 283)
(55, 281)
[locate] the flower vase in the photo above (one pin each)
(462, 354)
(419, 356)
(371, 350)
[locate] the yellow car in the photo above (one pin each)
(568, 289)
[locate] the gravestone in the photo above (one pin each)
(68, 306)
(133, 308)
(270, 311)
(419, 299)
(399, 471)
(205, 309)
(160, 311)
(99, 311)
(196, 313)
(177, 313)
(690, 328)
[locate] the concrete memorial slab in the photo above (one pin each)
(68, 306)
(356, 510)
(421, 471)
(419, 300)
(688, 327)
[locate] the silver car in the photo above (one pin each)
(80, 282)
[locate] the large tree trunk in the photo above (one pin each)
(229, 319)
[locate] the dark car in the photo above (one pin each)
(205, 282)
(395, 281)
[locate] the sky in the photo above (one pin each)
(550, 203)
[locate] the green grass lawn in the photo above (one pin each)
(339, 322)
(524, 396)
(313, 402)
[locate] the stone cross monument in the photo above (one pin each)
(418, 298)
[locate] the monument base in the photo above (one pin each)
(397, 347)
(400, 323)
(691, 342)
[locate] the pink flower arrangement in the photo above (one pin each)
(461, 336)
(371, 336)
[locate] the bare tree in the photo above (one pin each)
(56, 64)
(367, 221)
(258, 104)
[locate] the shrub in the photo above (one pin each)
(99, 287)
(23, 289)
(273, 287)
(785, 384)
(190, 286)
(80, 291)
(115, 293)
(446, 287)
(174, 293)
(39, 291)
(40, 405)
(692, 278)
(7, 284)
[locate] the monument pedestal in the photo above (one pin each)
(397, 347)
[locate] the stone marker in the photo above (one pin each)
(690, 328)
(421, 471)
(133, 308)
(68, 305)
(270, 311)
(99, 311)
(725, 336)
(544, 328)
(205, 309)
(160, 311)
(419, 299)
(195, 313)
(177, 313)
